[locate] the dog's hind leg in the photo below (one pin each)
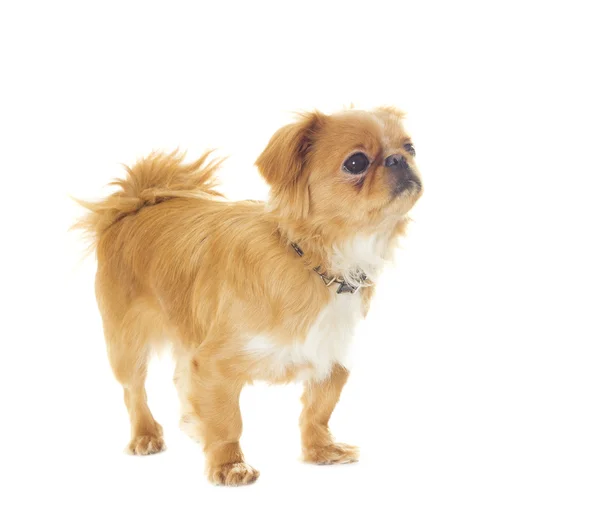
(210, 395)
(127, 340)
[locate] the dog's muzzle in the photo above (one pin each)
(402, 176)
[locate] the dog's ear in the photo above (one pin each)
(283, 164)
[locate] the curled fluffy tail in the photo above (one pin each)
(154, 179)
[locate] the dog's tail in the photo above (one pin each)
(154, 179)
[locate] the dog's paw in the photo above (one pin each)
(146, 445)
(233, 474)
(331, 454)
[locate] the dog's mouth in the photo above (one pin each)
(404, 180)
(407, 183)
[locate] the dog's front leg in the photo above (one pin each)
(319, 400)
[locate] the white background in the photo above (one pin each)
(475, 394)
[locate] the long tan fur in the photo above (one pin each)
(221, 283)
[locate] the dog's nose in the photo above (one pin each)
(396, 160)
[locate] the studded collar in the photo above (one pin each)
(344, 287)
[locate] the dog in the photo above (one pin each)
(251, 290)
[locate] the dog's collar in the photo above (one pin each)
(344, 287)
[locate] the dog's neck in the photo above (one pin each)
(359, 255)
(350, 257)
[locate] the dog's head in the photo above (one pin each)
(354, 169)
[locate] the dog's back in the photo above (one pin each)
(160, 246)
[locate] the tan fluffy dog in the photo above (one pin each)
(251, 291)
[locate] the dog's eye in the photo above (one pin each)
(356, 163)
(409, 148)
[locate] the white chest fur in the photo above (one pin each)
(328, 339)
(327, 342)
